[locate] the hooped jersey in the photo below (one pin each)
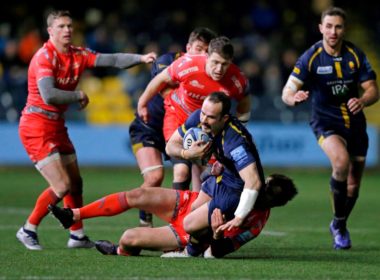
(195, 85)
(65, 68)
(332, 81)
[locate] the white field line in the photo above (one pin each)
(291, 229)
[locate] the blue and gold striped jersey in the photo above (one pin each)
(233, 147)
(332, 81)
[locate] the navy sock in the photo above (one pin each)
(182, 186)
(350, 203)
(339, 192)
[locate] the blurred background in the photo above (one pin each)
(268, 36)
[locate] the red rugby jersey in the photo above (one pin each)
(195, 85)
(65, 68)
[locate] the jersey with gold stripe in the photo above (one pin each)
(233, 147)
(333, 80)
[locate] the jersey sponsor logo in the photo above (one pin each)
(196, 84)
(196, 95)
(351, 64)
(187, 71)
(323, 70)
(239, 154)
(296, 70)
(340, 89)
(68, 80)
(76, 65)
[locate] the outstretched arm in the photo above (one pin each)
(123, 60)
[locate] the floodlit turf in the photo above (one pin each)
(295, 243)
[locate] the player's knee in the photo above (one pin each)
(130, 238)
(135, 196)
(181, 173)
(154, 178)
(61, 188)
(340, 167)
(188, 225)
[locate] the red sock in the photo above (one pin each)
(109, 205)
(74, 201)
(40, 209)
(122, 252)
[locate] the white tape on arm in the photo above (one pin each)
(247, 201)
(244, 117)
(291, 84)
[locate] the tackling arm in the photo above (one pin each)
(158, 83)
(252, 185)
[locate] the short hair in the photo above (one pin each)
(221, 97)
(222, 46)
(334, 11)
(281, 188)
(56, 14)
(202, 34)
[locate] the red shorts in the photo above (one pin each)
(174, 117)
(183, 207)
(42, 137)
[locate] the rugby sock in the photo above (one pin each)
(41, 208)
(109, 205)
(221, 247)
(197, 245)
(128, 251)
(78, 233)
(339, 194)
(182, 186)
(350, 203)
(145, 216)
(74, 201)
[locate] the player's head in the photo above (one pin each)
(334, 11)
(52, 16)
(279, 189)
(215, 112)
(220, 55)
(60, 27)
(332, 26)
(199, 39)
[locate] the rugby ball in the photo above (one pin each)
(194, 134)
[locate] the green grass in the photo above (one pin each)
(295, 243)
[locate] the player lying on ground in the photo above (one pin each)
(172, 206)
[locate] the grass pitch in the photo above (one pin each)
(295, 244)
